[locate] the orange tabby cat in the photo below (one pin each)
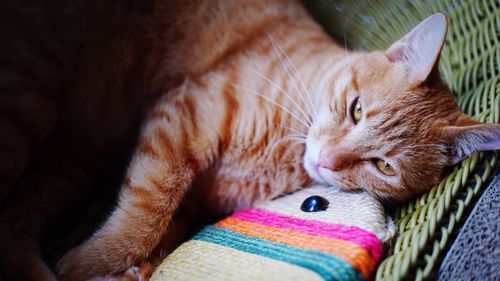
(267, 103)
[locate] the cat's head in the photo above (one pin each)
(389, 124)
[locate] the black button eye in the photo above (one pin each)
(314, 204)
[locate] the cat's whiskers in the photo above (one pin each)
(291, 129)
(296, 132)
(252, 91)
(381, 196)
(289, 138)
(294, 85)
(306, 98)
(280, 89)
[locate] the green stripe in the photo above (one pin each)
(329, 267)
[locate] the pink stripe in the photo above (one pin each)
(354, 234)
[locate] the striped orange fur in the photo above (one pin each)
(244, 99)
(263, 87)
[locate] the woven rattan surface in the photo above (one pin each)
(470, 64)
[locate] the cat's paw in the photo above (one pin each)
(132, 274)
(79, 264)
(94, 260)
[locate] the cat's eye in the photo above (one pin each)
(356, 111)
(385, 167)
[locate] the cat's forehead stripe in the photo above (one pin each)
(354, 80)
(373, 112)
(341, 84)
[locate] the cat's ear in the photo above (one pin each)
(469, 136)
(419, 49)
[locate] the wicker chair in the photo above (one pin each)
(470, 64)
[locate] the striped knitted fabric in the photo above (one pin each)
(262, 243)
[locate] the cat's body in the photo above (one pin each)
(214, 136)
(256, 100)
(88, 121)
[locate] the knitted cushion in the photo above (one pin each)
(275, 240)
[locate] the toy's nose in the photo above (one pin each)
(314, 204)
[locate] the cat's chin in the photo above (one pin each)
(318, 179)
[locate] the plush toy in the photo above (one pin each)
(318, 233)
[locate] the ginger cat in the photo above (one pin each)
(256, 100)
(271, 103)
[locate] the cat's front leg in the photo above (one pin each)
(161, 171)
(136, 226)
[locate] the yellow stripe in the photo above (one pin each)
(200, 260)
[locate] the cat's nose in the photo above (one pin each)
(331, 162)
